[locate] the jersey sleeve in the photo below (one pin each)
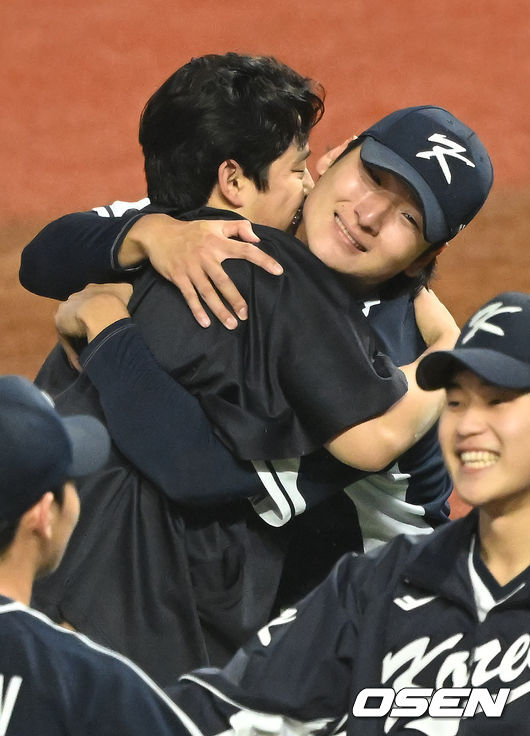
(73, 251)
(55, 682)
(158, 425)
(304, 367)
(296, 672)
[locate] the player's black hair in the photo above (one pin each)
(217, 107)
(8, 529)
(401, 283)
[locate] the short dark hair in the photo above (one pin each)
(8, 529)
(217, 107)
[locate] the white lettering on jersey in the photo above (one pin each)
(445, 147)
(458, 669)
(409, 603)
(480, 320)
(8, 700)
(264, 634)
(369, 305)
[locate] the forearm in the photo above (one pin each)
(374, 444)
(73, 251)
(158, 425)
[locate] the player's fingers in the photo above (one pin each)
(212, 299)
(200, 285)
(187, 289)
(241, 229)
(71, 354)
(325, 161)
(229, 291)
(255, 255)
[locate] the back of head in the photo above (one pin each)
(39, 449)
(216, 107)
(494, 344)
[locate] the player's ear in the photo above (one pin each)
(232, 183)
(419, 264)
(39, 518)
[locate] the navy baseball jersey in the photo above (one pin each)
(416, 638)
(54, 682)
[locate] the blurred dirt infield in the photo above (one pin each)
(76, 75)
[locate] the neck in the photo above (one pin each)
(16, 577)
(505, 542)
(218, 202)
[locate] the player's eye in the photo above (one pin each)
(453, 398)
(413, 221)
(503, 398)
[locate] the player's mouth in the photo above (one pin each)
(478, 459)
(347, 234)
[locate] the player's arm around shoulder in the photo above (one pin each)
(73, 251)
(375, 444)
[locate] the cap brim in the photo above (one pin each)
(435, 227)
(90, 444)
(437, 369)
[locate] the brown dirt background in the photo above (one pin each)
(75, 76)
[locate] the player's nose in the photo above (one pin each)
(472, 420)
(372, 209)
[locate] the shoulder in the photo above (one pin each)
(69, 674)
(38, 639)
(376, 571)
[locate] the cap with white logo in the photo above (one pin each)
(494, 344)
(442, 159)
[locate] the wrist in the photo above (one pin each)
(137, 244)
(133, 250)
(100, 312)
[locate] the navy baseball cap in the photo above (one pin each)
(442, 159)
(39, 449)
(494, 344)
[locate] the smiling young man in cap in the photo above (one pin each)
(52, 681)
(425, 635)
(299, 373)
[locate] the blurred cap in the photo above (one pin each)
(494, 344)
(39, 449)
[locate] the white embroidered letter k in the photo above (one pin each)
(445, 148)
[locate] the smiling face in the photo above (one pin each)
(484, 432)
(365, 222)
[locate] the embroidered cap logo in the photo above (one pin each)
(480, 320)
(445, 147)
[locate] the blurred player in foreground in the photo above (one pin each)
(53, 681)
(426, 636)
